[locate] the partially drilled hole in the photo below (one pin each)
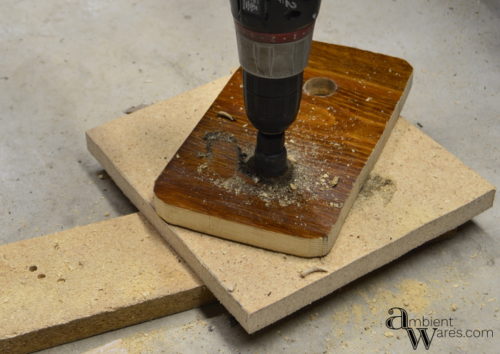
(320, 86)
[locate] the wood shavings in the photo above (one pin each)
(133, 109)
(202, 167)
(225, 115)
(313, 270)
(102, 175)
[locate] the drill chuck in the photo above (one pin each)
(272, 104)
(274, 40)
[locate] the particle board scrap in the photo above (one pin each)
(416, 192)
(77, 283)
(338, 135)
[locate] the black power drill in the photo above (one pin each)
(274, 40)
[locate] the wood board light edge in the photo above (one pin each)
(101, 145)
(201, 218)
(270, 240)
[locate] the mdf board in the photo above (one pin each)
(351, 101)
(77, 283)
(416, 192)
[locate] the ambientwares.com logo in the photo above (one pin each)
(426, 329)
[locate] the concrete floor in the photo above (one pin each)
(67, 66)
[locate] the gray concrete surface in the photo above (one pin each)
(66, 66)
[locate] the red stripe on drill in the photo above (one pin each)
(275, 38)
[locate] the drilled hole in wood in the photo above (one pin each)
(33, 268)
(41, 276)
(320, 86)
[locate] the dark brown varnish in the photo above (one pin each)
(333, 136)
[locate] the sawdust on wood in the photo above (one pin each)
(301, 183)
(225, 115)
(379, 185)
(313, 270)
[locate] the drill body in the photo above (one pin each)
(274, 40)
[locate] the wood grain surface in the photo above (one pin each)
(332, 146)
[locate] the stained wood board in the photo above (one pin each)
(81, 282)
(333, 144)
(416, 192)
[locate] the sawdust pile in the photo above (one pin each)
(302, 182)
(376, 184)
(301, 185)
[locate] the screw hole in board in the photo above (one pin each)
(320, 86)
